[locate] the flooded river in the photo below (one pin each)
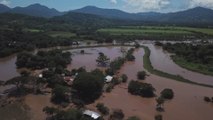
(187, 104)
(161, 61)
(8, 68)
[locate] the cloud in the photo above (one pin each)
(5, 2)
(114, 1)
(202, 3)
(146, 5)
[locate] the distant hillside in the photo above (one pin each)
(82, 19)
(198, 16)
(109, 13)
(32, 10)
(4, 8)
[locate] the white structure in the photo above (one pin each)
(40, 75)
(92, 114)
(108, 79)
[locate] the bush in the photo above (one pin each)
(109, 88)
(116, 81)
(158, 117)
(167, 94)
(117, 115)
(103, 109)
(124, 78)
(137, 45)
(141, 75)
(59, 94)
(82, 52)
(142, 89)
(207, 99)
(133, 118)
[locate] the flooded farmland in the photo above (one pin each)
(187, 104)
(161, 61)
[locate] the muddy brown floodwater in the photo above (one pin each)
(8, 68)
(161, 61)
(188, 103)
(88, 60)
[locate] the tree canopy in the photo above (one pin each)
(88, 86)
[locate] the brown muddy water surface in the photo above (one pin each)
(187, 104)
(161, 60)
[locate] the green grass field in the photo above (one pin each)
(61, 34)
(156, 30)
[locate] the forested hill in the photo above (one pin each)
(198, 16)
(37, 10)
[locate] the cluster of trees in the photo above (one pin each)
(18, 40)
(102, 60)
(142, 89)
(115, 65)
(202, 54)
(117, 115)
(50, 59)
(102, 108)
(166, 94)
(25, 84)
(208, 99)
(88, 86)
(129, 55)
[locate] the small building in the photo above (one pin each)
(92, 114)
(68, 80)
(108, 79)
(40, 75)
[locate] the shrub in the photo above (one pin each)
(167, 94)
(133, 118)
(141, 75)
(82, 52)
(158, 117)
(117, 115)
(142, 89)
(124, 78)
(109, 88)
(103, 109)
(207, 99)
(137, 45)
(116, 81)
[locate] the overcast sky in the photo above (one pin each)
(126, 5)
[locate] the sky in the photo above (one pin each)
(132, 6)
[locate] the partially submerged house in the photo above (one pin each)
(92, 114)
(69, 80)
(108, 79)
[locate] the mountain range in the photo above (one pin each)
(32, 10)
(191, 16)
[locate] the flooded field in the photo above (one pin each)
(187, 104)
(8, 68)
(161, 61)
